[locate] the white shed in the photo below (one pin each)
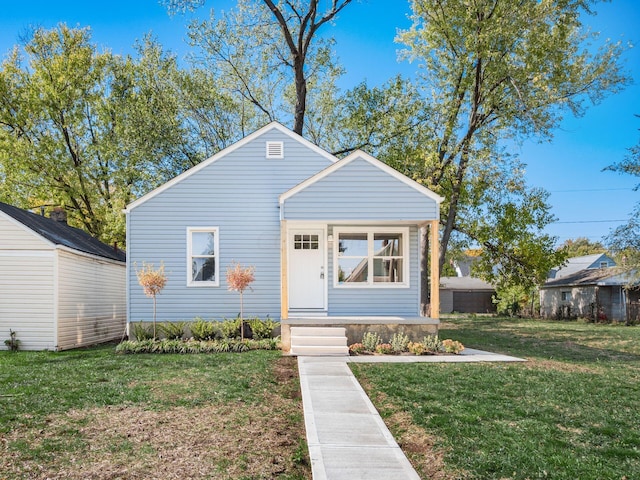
(60, 288)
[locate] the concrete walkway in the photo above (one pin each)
(346, 436)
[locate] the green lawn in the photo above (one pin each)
(93, 414)
(571, 412)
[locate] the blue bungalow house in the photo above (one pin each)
(335, 242)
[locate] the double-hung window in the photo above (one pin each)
(202, 257)
(371, 257)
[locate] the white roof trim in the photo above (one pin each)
(222, 153)
(359, 154)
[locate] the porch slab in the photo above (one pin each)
(416, 328)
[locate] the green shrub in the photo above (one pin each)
(371, 340)
(399, 342)
(171, 330)
(230, 328)
(196, 346)
(12, 343)
(142, 331)
(356, 348)
(262, 328)
(204, 330)
(432, 344)
(452, 346)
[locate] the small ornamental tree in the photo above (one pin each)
(152, 282)
(239, 279)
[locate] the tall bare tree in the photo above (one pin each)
(269, 53)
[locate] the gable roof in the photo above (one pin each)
(60, 233)
(608, 276)
(576, 264)
(222, 153)
(359, 154)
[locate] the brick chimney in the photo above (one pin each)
(59, 215)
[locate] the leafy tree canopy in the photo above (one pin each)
(624, 241)
(581, 246)
(91, 131)
(494, 73)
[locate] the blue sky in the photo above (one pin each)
(587, 201)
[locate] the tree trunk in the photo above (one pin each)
(301, 97)
(154, 317)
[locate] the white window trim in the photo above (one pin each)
(214, 230)
(370, 231)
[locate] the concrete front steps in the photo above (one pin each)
(319, 341)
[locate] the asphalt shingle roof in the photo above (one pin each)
(60, 233)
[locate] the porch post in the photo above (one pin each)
(284, 280)
(435, 268)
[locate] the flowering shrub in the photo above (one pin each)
(399, 343)
(417, 348)
(384, 348)
(452, 346)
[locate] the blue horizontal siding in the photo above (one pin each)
(237, 193)
(360, 191)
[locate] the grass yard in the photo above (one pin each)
(571, 412)
(93, 414)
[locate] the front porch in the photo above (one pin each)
(354, 327)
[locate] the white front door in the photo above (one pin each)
(306, 269)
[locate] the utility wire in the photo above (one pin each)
(628, 189)
(594, 221)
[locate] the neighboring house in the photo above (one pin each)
(60, 288)
(466, 295)
(589, 287)
(585, 262)
(333, 242)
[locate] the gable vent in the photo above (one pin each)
(275, 150)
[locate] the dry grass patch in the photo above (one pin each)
(230, 439)
(213, 441)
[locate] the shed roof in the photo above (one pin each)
(60, 233)
(465, 283)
